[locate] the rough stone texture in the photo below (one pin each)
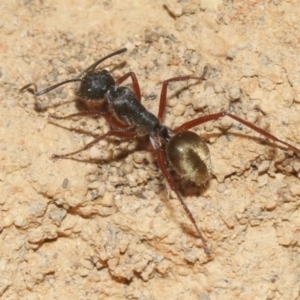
(105, 226)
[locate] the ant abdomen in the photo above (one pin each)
(189, 156)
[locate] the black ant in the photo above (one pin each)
(185, 151)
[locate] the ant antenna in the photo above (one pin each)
(55, 86)
(95, 64)
(31, 87)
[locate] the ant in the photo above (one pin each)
(185, 151)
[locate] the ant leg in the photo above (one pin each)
(216, 116)
(162, 164)
(121, 134)
(115, 122)
(95, 113)
(135, 83)
(80, 114)
(163, 94)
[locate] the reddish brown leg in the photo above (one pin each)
(121, 134)
(162, 164)
(215, 116)
(163, 94)
(115, 122)
(95, 113)
(135, 83)
(80, 114)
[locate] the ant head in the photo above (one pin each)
(94, 86)
(189, 156)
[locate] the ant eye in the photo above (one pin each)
(189, 156)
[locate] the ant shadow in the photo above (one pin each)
(187, 188)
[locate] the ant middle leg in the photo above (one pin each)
(163, 94)
(135, 83)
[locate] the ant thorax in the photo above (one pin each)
(125, 107)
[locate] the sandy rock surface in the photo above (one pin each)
(104, 225)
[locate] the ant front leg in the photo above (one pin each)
(80, 114)
(120, 134)
(95, 113)
(161, 159)
(112, 121)
(135, 83)
(163, 94)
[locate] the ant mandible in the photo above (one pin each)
(184, 150)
